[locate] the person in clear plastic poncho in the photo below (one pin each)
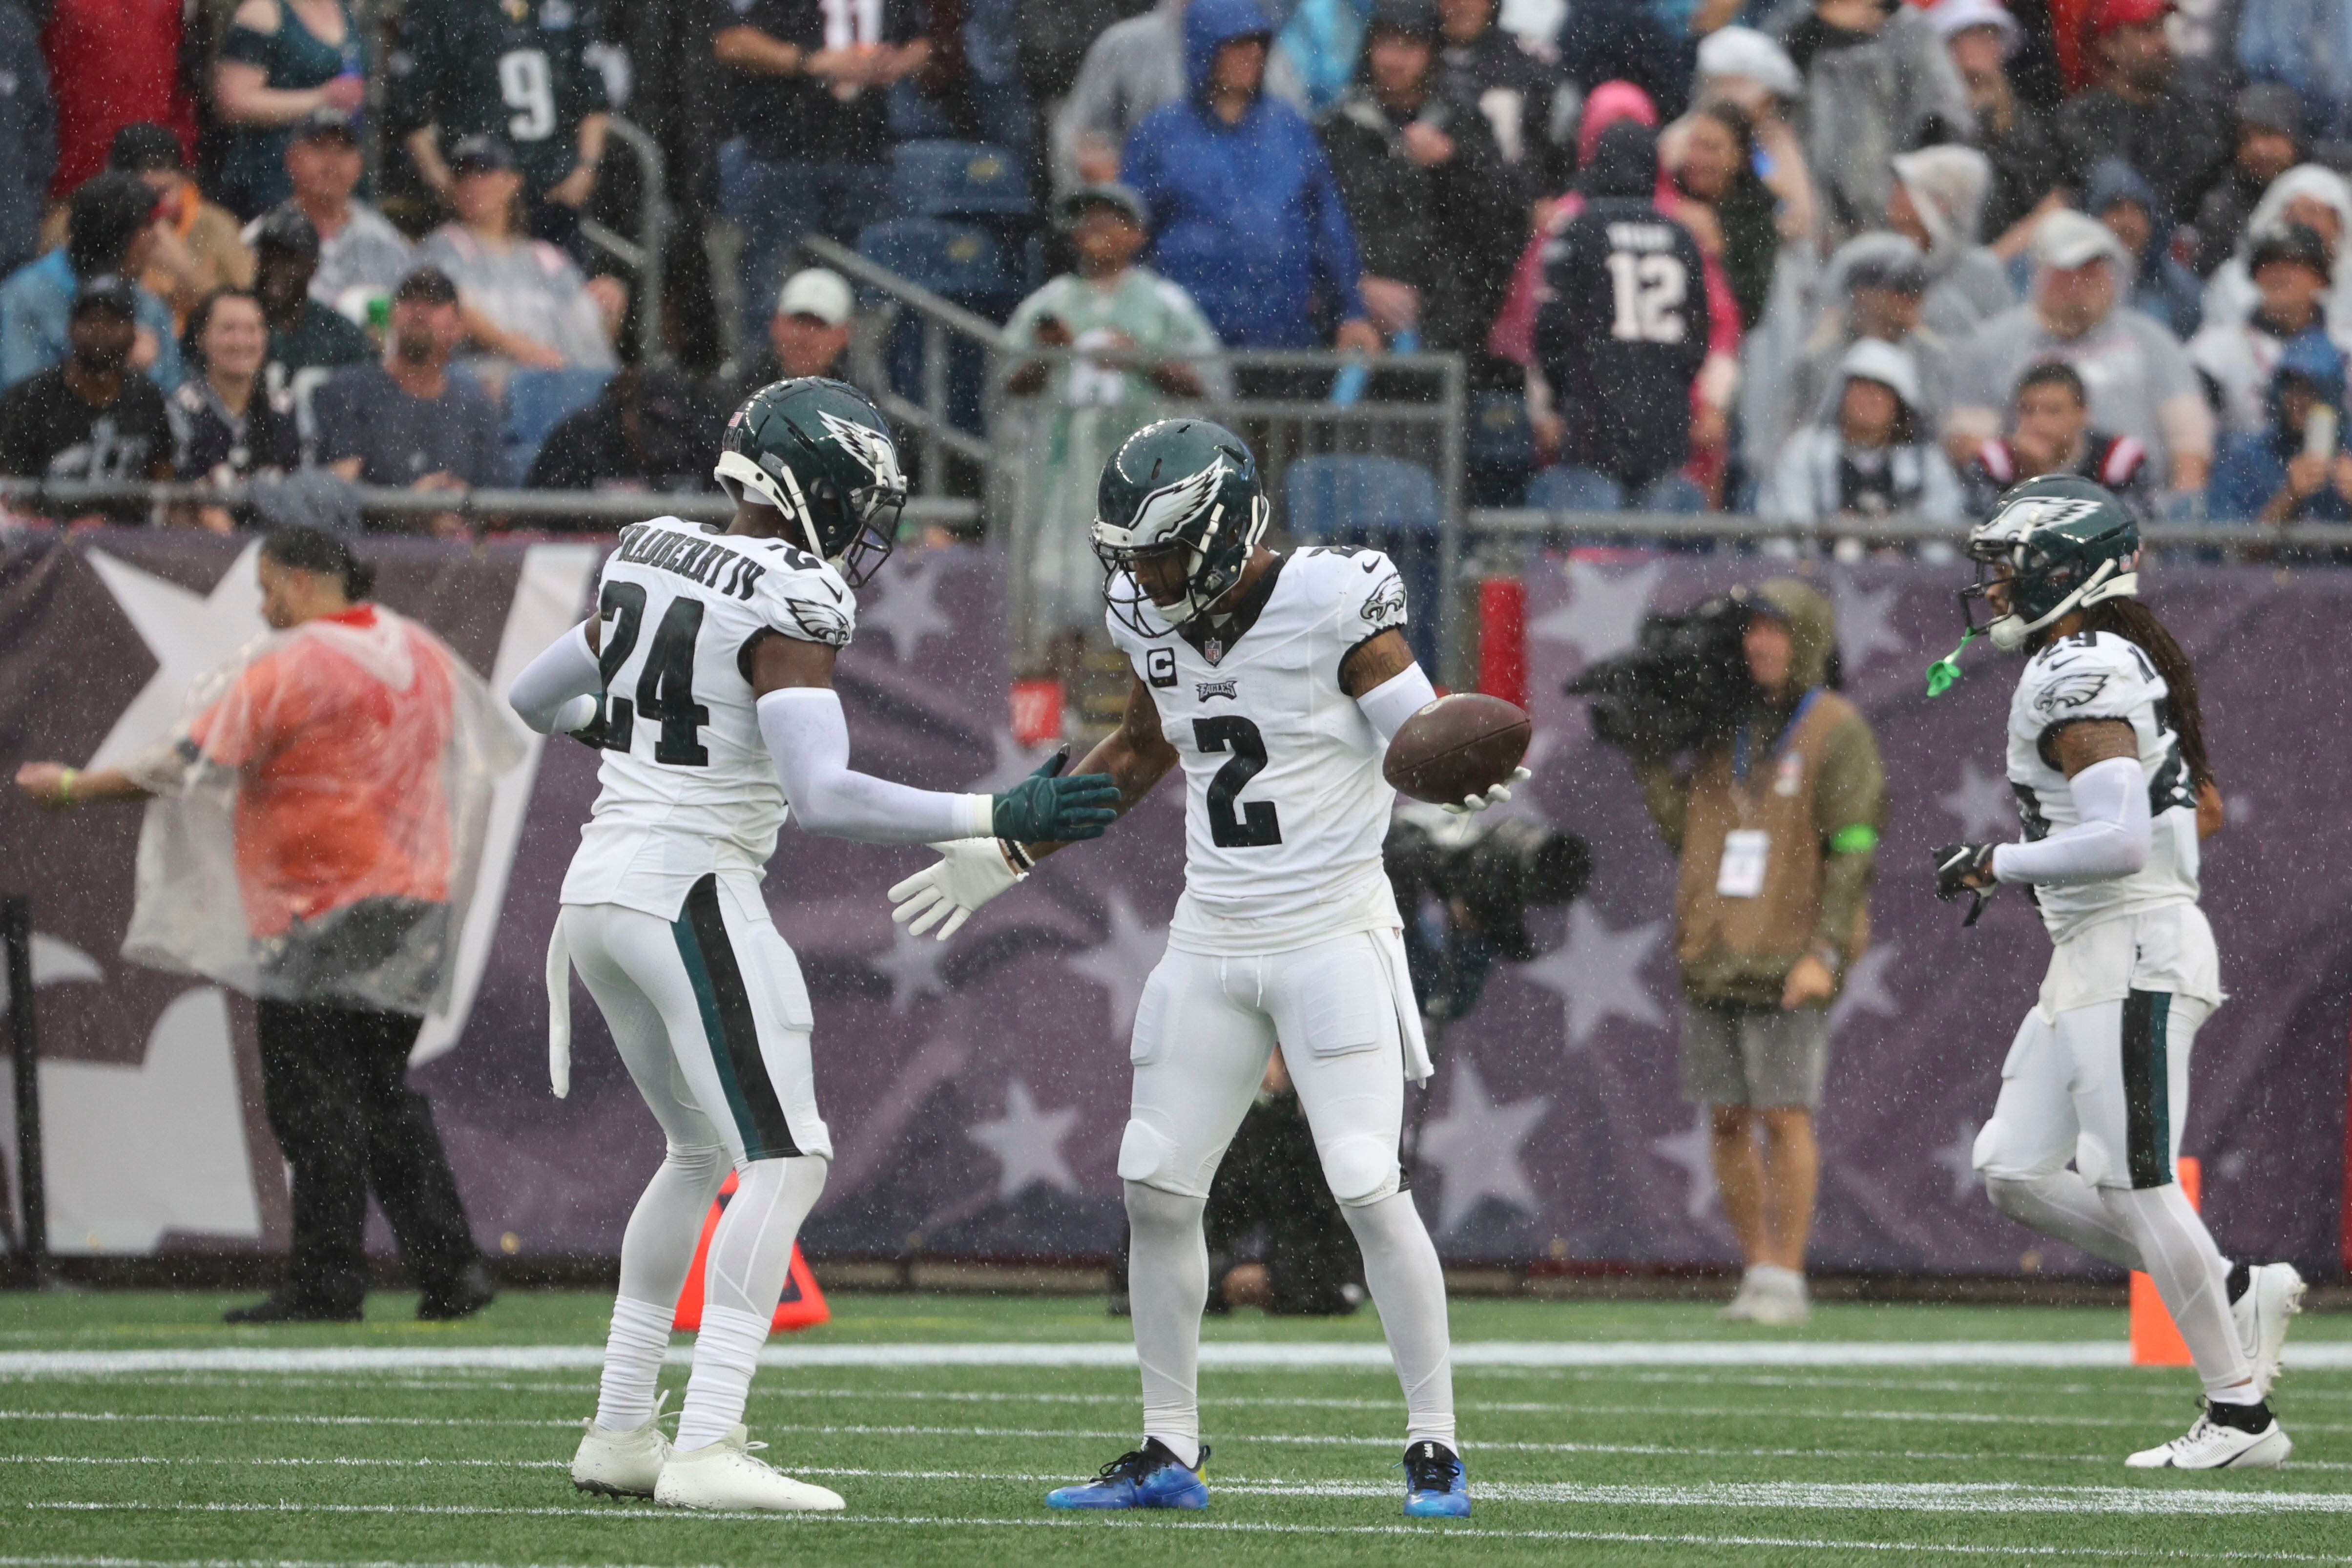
(314, 826)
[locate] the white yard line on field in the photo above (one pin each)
(1393, 1531)
(1215, 1354)
(325, 1460)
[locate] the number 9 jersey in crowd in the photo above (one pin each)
(690, 788)
(1284, 807)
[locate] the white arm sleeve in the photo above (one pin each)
(568, 670)
(809, 740)
(2111, 841)
(1396, 699)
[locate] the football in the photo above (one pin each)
(1456, 746)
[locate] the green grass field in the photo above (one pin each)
(1873, 1447)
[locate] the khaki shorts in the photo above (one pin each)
(1738, 1054)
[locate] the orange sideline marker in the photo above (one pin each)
(803, 1305)
(2155, 1341)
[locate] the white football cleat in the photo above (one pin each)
(2273, 1294)
(621, 1464)
(1777, 1297)
(2210, 1445)
(724, 1475)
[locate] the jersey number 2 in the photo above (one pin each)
(1257, 826)
(666, 685)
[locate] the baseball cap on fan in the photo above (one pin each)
(817, 291)
(2113, 15)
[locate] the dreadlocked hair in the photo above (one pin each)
(2135, 623)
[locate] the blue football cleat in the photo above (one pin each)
(1436, 1486)
(1150, 1477)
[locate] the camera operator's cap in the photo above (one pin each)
(108, 291)
(2291, 242)
(1953, 18)
(323, 121)
(1108, 194)
(817, 291)
(2113, 15)
(2067, 240)
(143, 145)
(286, 228)
(480, 155)
(2270, 106)
(426, 286)
(1759, 56)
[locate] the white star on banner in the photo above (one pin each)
(1985, 804)
(1862, 621)
(1015, 762)
(1476, 1144)
(188, 633)
(1603, 614)
(1960, 1157)
(909, 610)
(1865, 990)
(1027, 1143)
(1123, 960)
(915, 967)
(1692, 1153)
(1597, 974)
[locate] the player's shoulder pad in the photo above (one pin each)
(1358, 586)
(801, 596)
(2091, 675)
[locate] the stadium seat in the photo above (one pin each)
(957, 180)
(1500, 449)
(962, 264)
(537, 402)
(1385, 502)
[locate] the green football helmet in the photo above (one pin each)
(1183, 487)
(2054, 544)
(817, 451)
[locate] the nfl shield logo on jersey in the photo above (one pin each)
(1212, 649)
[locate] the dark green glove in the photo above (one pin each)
(1046, 809)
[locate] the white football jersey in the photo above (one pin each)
(1285, 808)
(688, 786)
(2098, 675)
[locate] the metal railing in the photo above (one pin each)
(1533, 524)
(70, 497)
(642, 256)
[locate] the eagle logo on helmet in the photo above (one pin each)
(1172, 505)
(2030, 512)
(869, 446)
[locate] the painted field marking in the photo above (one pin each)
(1448, 1531)
(1120, 1355)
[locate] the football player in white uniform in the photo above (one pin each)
(1274, 682)
(2106, 753)
(706, 678)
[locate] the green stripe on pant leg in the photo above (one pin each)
(730, 1026)
(2147, 1088)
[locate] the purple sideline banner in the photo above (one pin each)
(977, 1090)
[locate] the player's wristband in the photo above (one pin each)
(1018, 856)
(66, 781)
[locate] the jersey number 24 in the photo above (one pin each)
(665, 692)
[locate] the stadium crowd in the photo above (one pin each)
(1884, 258)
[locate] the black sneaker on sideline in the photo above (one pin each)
(285, 1310)
(461, 1298)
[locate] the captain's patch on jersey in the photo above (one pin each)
(2062, 693)
(1160, 667)
(1386, 606)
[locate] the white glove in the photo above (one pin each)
(970, 872)
(577, 714)
(1496, 795)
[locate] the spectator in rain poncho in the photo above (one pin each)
(2290, 269)
(1875, 286)
(2161, 287)
(1877, 80)
(1870, 454)
(2285, 472)
(313, 831)
(2321, 200)
(1937, 202)
(1108, 303)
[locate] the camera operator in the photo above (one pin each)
(1775, 815)
(1465, 886)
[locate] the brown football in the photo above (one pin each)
(1456, 746)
